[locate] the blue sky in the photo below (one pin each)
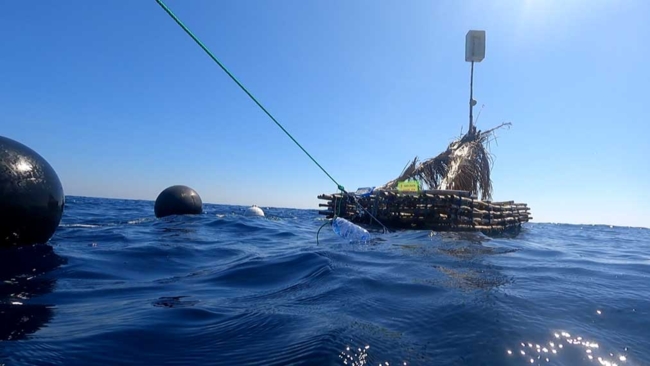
(123, 104)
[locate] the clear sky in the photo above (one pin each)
(123, 103)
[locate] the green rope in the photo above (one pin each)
(171, 14)
(319, 229)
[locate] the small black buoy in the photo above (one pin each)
(178, 200)
(31, 196)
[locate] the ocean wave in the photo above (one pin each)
(118, 286)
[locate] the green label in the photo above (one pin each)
(408, 186)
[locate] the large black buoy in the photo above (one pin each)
(31, 196)
(178, 200)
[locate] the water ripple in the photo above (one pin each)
(118, 286)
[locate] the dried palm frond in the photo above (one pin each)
(408, 172)
(465, 165)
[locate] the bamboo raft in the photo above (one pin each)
(453, 179)
(436, 210)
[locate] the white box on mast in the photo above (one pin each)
(475, 46)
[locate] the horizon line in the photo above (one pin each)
(316, 209)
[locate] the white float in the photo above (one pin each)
(254, 211)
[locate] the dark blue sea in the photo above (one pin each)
(116, 286)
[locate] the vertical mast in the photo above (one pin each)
(474, 52)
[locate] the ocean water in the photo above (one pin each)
(116, 286)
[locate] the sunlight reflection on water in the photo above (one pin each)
(359, 357)
(532, 353)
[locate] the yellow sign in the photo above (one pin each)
(408, 186)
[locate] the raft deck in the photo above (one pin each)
(437, 210)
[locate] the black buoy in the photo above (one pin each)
(178, 200)
(31, 196)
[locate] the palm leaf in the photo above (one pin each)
(465, 166)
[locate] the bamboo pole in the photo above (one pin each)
(449, 210)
